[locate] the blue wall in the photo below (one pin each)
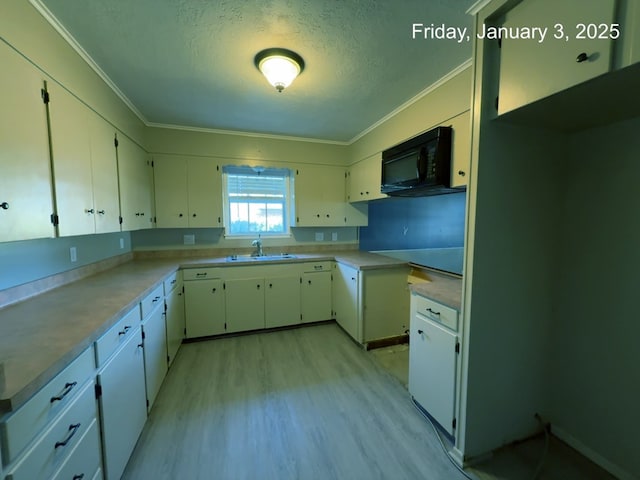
(29, 260)
(415, 222)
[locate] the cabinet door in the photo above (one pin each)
(175, 322)
(432, 369)
(244, 303)
(204, 308)
(320, 195)
(25, 183)
(282, 301)
(104, 174)
(365, 178)
(123, 408)
(316, 297)
(71, 151)
(204, 181)
(531, 70)
(346, 299)
(155, 352)
(170, 183)
(385, 303)
(134, 178)
(461, 149)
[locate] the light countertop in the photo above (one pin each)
(40, 336)
(442, 288)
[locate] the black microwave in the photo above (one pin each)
(420, 166)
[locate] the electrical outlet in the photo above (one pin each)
(121, 243)
(189, 239)
(73, 254)
(334, 236)
(319, 236)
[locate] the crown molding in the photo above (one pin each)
(73, 43)
(240, 133)
(460, 68)
(476, 7)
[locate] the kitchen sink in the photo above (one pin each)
(261, 258)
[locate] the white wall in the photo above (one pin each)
(595, 383)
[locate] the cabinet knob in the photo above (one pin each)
(461, 173)
(328, 215)
(583, 57)
(366, 193)
(89, 210)
(137, 214)
(258, 285)
(420, 332)
(101, 212)
(194, 215)
(142, 214)
(4, 206)
(309, 282)
(318, 215)
(213, 290)
(271, 285)
(180, 215)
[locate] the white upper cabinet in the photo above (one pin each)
(577, 47)
(364, 179)
(104, 174)
(188, 192)
(135, 180)
(84, 167)
(460, 149)
(25, 183)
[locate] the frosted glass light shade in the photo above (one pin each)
(279, 66)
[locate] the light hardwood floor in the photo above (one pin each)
(305, 403)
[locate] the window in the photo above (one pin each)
(257, 200)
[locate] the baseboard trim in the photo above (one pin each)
(591, 454)
(387, 342)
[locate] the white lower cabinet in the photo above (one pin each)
(371, 304)
(174, 301)
(54, 446)
(315, 292)
(84, 461)
(281, 301)
(244, 304)
(154, 339)
(123, 409)
(346, 298)
(203, 307)
(433, 356)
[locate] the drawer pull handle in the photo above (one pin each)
(174, 281)
(433, 311)
(204, 274)
(78, 477)
(67, 388)
(124, 330)
(155, 299)
(72, 429)
(317, 267)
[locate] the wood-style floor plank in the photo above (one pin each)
(305, 403)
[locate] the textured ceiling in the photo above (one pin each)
(190, 62)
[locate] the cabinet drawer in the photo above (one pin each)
(33, 416)
(200, 273)
(436, 311)
(151, 301)
(172, 282)
(317, 267)
(55, 444)
(116, 336)
(84, 460)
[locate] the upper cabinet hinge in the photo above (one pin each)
(44, 95)
(55, 220)
(217, 168)
(497, 98)
(143, 335)
(98, 389)
(224, 287)
(453, 424)
(120, 219)
(457, 347)
(115, 142)
(152, 164)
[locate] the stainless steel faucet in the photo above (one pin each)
(258, 244)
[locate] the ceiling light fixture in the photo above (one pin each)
(280, 66)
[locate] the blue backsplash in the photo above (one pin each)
(397, 223)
